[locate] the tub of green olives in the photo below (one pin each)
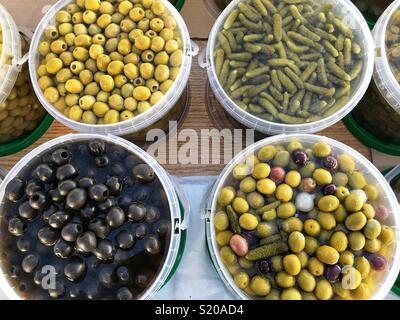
(141, 116)
(379, 282)
(178, 208)
(254, 77)
(23, 119)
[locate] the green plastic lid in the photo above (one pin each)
(179, 4)
(26, 140)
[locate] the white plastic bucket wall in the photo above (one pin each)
(137, 123)
(372, 175)
(353, 17)
(177, 224)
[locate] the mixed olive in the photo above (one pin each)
(301, 221)
(104, 62)
(92, 212)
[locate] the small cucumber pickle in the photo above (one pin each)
(331, 241)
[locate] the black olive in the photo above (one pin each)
(115, 185)
(142, 194)
(88, 212)
(163, 227)
(117, 169)
(102, 161)
(140, 231)
(63, 249)
(83, 149)
(152, 214)
(99, 227)
(77, 293)
(60, 156)
(124, 201)
(23, 286)
(142, 278)
(44, 173)
(48, 236)
(55, 195)
(15, 189)
(15, 271)
(86, 182)
(117, 153)
(125, 239)
(26, 211)
(123, 275)
(104, 250)
(71, 231)
(66, 171)
(94, 291)
(97, 147)
(30, 262)
(136, 212)
(152, 245)
(23, 244)
(32, 187)
(86, 242)
(58, 290)
(124, 294)
(107, 276)
(59, 219)
(130, 161)
(143, 173)
(38, 277)
(98, 192)
(129, 182)
(16, 227)
(64, 187)
(75, 269)
(122, 257)
(48, 212)
(38, 200)
(115, 217)
(107, 204)
(76, 199)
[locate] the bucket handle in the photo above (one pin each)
(29, 35)
(392, 173)
(184, 225)
(203, 61)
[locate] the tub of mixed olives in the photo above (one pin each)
(304, 217)
(22, 118)
(280, 67)
(111, 67)
(95, 213)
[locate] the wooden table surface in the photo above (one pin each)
(197, 117)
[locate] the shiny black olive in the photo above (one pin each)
(104, 250)
(55, 195)
(38, 200)
(86, 242)
(71, 231)
(123, 275)
(60, 156)
(38, 277)
(99, 227)
(63, 249)
(75, 269)
(94, 291)
(152, 214)
(125, 239)
(140, 231)
(152, 245)
(26, 211)
(115, 217)
(15, 271)
(16, 227)
(163, 227)
(76, 199)
(15, 189)
(66, 186)
(98, 192)
(130, 161)
(77, 293)
(24, 244)
(97, 147)
(32, 187)
(59, 219)
(107, 276)
(44, 173)
(66, 171)
(107, 204)
(115, 185)
(142, 194)
(117, 169)
(102, 161)
(124, 294)
(124, 201)
(48, 236)
(58, 290)
(86, 182)
(48, 212)
(136, 212)
(122, 257)
(30, 262)
(143, 173)
(88, 212)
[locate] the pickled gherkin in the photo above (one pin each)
(308, 59)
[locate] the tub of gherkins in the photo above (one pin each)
(89, 216)
(304, 217)
(22, 119)
(284, 66)
(112, 67)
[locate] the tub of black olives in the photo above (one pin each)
(280, 223)
(88, 217)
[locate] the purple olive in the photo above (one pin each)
(329, 189)
(300, 157)
(330, 163)
(251, 238)
(332, 273)
(263, 266)
(378, 262)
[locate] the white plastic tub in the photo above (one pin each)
(128, 128)
(178, 206)
(353, 17)
(372, 175)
